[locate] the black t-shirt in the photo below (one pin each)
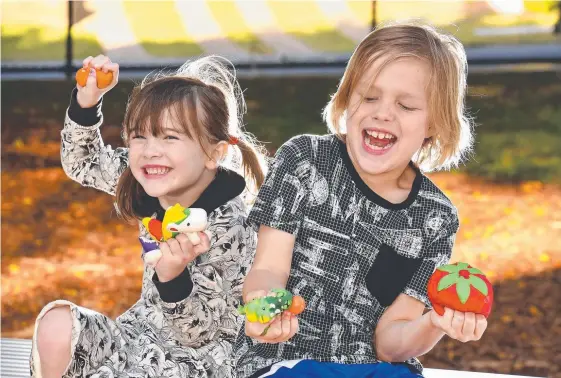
(354, 253)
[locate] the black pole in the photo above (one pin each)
(373, 20)
(69, 54)
(557, 26)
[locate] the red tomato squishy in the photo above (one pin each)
(460, 287)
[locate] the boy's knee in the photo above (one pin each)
(54, 330)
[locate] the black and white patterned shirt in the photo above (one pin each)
(354, 253)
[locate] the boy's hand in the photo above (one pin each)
(177, 253)
(280, 329)
(462, 326)
(90, 94)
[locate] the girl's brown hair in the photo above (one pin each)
(446, 58)
(206, 99)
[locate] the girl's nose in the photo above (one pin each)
(152, 148)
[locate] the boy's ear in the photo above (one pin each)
(217, 154)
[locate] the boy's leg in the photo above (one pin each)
(315, 369)
(388, 370)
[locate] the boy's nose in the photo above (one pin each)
(383, 112)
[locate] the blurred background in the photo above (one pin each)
(60, 240)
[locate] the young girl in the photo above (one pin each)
(181, 131)
(349, 221)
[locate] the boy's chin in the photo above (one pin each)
(373, 169)
(373, 165)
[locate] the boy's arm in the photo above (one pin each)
(271, 267)
(84, 157)
(403, 332)
(279, 211)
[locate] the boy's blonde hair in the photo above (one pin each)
(452, 130)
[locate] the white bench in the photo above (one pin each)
(14, 358)
(14, 363)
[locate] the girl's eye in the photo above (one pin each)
(370, 99)
(171, 137)
(137, 136)
(407, 108)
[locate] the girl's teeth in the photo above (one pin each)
(157, 171)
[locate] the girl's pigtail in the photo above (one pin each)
(253, 160)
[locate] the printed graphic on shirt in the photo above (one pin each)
(313, 192)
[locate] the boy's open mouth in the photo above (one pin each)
(378, 140)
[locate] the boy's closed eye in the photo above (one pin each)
(407, 108)
(402, 106)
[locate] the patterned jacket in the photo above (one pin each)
(197, 311)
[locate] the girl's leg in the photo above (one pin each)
(53, 336)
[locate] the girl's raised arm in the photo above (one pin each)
(84, 157)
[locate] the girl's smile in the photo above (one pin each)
(153, 171)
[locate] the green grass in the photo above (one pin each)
(518, 156)
(515, 102)
(465, 30)
(326, 40)
(518, 133)
(44, 43)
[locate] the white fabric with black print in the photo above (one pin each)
(354, 253)
(182, 328)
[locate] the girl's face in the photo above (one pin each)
(387, 119)
(171, 164)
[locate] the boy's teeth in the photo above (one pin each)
(379, 135)
(375, 147)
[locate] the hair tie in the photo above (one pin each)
(233, 140)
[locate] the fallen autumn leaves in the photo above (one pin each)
(64, 241)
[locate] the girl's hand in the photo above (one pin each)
(280, 329)
(90, 94)
(177, 253)
(462, 326)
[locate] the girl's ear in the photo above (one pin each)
(217, 154)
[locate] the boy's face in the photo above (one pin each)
(387, 119)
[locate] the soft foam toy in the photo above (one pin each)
(177, 220)
(460, 287)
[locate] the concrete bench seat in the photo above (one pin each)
(14, 363)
